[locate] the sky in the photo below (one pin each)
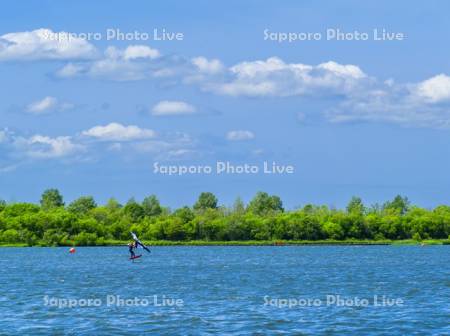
(91, 100)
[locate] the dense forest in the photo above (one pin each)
(84, 222)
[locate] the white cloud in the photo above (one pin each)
(349, 71)
(140, 51)
(261, 78)
(240, 135)
(358, 97)
(43, 105)
(129, 141)
(42, 147)
(136, 62)
(435, 89)
(274, 77)
(204, 65)
(140, 62)
(178, 146)
(44, 44)
(396, 104)
(70, 70)
(47, 105)
(170, 108)
(118, 132)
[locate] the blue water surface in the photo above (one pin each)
(226, 290)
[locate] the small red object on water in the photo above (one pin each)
(72, 250)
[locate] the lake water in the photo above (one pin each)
(229, 290)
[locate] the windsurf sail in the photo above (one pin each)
(138, 242)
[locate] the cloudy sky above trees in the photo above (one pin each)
(368, 118)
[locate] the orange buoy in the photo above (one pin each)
(72, 250)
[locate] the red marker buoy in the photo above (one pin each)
(72, 250)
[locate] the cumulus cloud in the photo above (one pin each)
(47, 105)
(128, 141)
(270, 77)
(411, 105)
(135, 62)
(139, 52)
(6, 137)
(174, 146)
(362, 98)
(358, 96)
(140, 62)
(170, 108)
(42, 106)
(435, 89)
(118, 132)
(18, 150)
(42, 44)
(240, 135)
(42, 147)
(205, 65)
(70, 70)
(273, 77)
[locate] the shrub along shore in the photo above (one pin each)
(263, 221)
(354, 242)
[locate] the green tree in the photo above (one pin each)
(174, 229)
(133, 210)
(120, 229)
(185, 213)
(82, 205)
(151, 206)
(399, 205)
(206, 200)
(10, 236)
(417, 236)
(85, 239)
(238, 206)
(263, 204)
(265, 220)
(51, 198)
(356, 206)
(113, 205)
(333, 230)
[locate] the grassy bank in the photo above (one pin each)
(261, 243)
(283, 243)
(13, 245)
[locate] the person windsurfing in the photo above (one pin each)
(138, 243)
(131, 247)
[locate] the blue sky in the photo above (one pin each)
(90, 117)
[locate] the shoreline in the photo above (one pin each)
(279, 243)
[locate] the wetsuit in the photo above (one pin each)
(131, 249)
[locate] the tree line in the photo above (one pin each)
(84, 222)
